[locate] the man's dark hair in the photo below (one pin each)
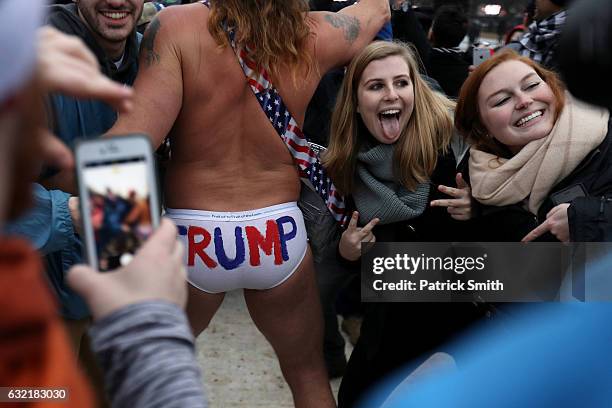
(449, 26)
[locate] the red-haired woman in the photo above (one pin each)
(541, 161)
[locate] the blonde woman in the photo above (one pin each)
(390, 154)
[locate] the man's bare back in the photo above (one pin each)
(226, 156)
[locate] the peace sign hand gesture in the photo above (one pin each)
(460, 206)
(353, 236)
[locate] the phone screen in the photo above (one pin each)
(481, 55)
(120, 208)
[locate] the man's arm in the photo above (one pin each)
(159, 85)
(147, 353)
(341, 35)
(48, 225)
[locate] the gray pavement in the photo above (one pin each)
(239, 366)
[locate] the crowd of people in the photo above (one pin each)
(413, 144)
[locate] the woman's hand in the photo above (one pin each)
(459, 207)
(353, 236)
(556, 222)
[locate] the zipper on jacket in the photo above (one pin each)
(602, 207)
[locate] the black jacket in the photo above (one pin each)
(396, 334)
(449, 68)
(588, 189)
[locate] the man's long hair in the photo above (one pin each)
(276, 31)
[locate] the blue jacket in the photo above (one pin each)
(49, 224)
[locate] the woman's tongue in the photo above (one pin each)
(390, 126)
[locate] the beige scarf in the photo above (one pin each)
(542, 163)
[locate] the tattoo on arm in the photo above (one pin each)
(148, 43)
(350, 25)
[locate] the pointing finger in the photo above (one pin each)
(537, 231)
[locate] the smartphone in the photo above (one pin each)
(480, 55)
(118, 196)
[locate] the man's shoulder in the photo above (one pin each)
(179, 24)
(187, 14)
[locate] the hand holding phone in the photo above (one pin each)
(118, 194)
(157, 273)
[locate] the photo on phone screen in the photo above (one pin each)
(120, 206)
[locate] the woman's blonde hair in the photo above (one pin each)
(275, 32)
(428, 131)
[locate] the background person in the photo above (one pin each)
(438, 46)
(390, 154)
(540, 43)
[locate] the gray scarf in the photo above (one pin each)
(377, 193)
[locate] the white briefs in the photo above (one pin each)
(255, 249)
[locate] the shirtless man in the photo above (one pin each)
(230, 168)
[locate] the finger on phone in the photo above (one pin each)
(163, 237)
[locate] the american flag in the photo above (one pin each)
(306, 159)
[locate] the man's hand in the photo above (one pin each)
(459, 207)
(353, 236)
(66, 65)
(156, 273)
(556, 222)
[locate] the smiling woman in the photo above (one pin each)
(539, 154)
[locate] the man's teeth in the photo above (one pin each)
(526, 119)
(115, 16)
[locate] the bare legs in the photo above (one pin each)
(289, 316)
(201, 307)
